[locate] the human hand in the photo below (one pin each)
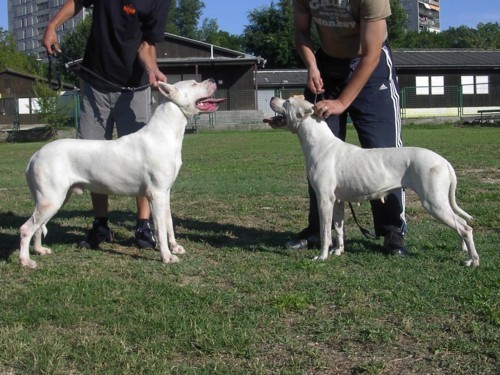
(325, 108)
(154, 76)
(314, 81)
(50, 42)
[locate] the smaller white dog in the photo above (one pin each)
(145, 163)
(341, 172)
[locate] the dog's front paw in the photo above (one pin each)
(336, 251)
(27, 263)
(170, 259)
(178, 249)
(319, 258)
(43, 250)
(472, 262)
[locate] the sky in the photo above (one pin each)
(232, 15)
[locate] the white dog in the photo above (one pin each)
(145, 163)
(341, 172)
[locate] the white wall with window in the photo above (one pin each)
(433, 85)
(475, 85)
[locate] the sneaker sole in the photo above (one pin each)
(84, 245)
(144, 244)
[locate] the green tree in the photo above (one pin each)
(396, 23)
(171, 25)
(10, 58)
(485, 36)
(270, 35)
(52, 111)
(73, 48)
(210, 33)
(423, 39)
(489, 34)
(184, 17)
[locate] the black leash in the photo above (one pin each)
(365, 232)
(53, 71)
(68, 59)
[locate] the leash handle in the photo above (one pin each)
(52, 70)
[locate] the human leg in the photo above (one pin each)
(131, 112)
(144, 234)
(95, 124)
(376, 117)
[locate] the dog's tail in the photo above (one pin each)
(453, 201)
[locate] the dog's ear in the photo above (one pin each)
(169, 91)
(307, 111)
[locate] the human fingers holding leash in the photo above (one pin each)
(325, 108)
(322, 108)
(147, 57)
(70, 9)
(50, 42)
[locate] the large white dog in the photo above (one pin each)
(341, 172)
(145, 163)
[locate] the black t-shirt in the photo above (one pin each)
(118, 28)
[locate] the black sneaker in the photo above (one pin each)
(144, 237)
(394, 244)
(98, 233)
(306, 239)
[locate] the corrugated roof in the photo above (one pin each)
(446, 58)
(403, 59)
(284, 77)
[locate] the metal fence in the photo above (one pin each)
(17, 111)
(450, 101)
(248, 106)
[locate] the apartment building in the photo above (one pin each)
(423, 15)
(28, 19)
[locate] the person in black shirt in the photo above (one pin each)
(118, 68)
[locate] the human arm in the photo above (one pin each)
(372, 37)
(69, 9)
(305, 49)
(147, 58)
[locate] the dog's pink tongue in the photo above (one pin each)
(209, 105)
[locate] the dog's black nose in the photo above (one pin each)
(211, 80)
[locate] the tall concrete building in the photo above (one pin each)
(423, 15)
(28, 19)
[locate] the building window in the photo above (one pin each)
(482, 85)
(437, 85)
(475, 85)
(426, 85)
(422, 84)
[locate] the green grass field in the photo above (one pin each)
(239, 302)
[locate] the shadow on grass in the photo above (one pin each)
(255, 239)
(213, 234)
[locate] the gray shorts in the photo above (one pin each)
(101, 111)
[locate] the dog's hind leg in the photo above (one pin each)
(338, 221)
(46, 206)
(37, 241)
(35, 227)
(440, 208)
(325, 207)
(27, 230)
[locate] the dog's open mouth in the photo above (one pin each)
(276, 121)
(209, 104)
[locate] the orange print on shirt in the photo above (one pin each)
(129, 9)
